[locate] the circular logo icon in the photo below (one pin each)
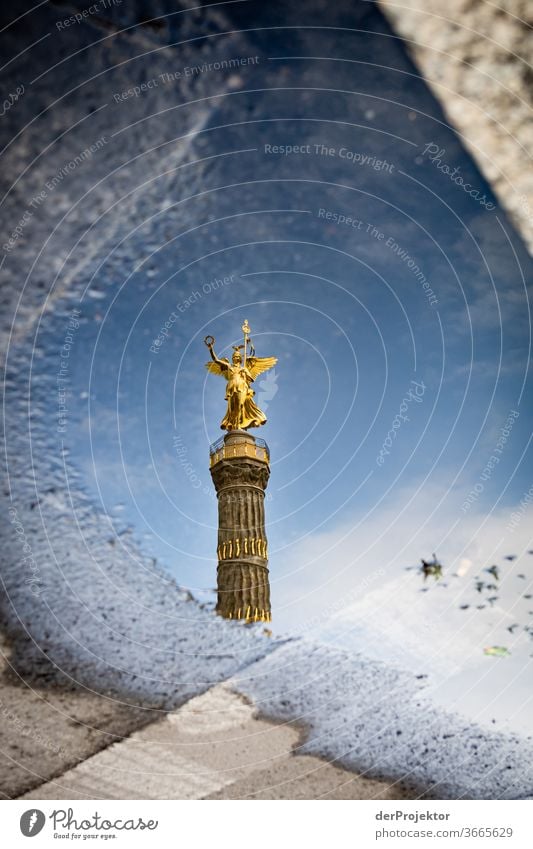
(32, 822)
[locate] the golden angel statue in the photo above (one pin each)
(242, 412)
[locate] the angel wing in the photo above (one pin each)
(257, 365)
(216, 368)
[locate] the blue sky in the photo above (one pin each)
(353, 331)
(257, 196)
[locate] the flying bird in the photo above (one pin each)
(431, 567)
(494, 571)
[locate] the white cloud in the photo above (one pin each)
(355, 591)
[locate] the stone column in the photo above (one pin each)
(240, 471)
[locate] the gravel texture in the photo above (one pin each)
(48, 728)
(476, 56)
(214, 747)
(368, 717)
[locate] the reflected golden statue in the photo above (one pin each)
(242, 412)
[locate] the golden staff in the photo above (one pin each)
(246, 330)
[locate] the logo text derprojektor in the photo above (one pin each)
(413, 816)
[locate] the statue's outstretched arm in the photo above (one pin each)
(210, 343)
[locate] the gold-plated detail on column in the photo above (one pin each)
(258, 615)
(233, 549)
(259, 453)
(241, 412)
